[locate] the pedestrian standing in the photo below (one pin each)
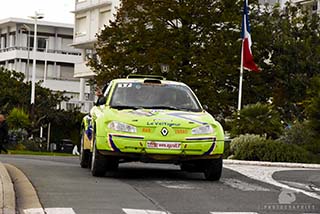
(3, 133)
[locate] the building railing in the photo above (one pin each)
(65, 52)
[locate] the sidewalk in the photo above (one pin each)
(17, 194)
(7, 194)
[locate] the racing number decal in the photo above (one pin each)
(186, 116)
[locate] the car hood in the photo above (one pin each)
(152, 117)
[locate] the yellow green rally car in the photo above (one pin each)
(150, 119)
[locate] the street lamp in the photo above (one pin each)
(27, 28)
(33, 82)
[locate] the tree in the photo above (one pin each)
(290, 38)
(195, 38)
(260, 119)
(18, 119)
(313, 105)
(14, 93)
(200, 41)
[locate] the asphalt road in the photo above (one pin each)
(157, 188)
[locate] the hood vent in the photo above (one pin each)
(152, 81)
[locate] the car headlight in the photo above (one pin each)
(122, 127)
(206, 129)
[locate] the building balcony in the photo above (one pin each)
(81, 70)
(63, 85)
(85, 5)
(49, 55)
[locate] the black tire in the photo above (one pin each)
(213, 169)
(98, 163)
(84, 154)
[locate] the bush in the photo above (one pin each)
(260, 119)
(303, 135)
(17, 135)
(314, 104)
(238, 142)
(35, 145)
(18, 119)
(256, 148)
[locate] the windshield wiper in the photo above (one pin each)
(172, 108)
(125, 107)
(162, 107)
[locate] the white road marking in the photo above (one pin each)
(49, 211)
(309, 187)
(137, 211)
(175, 185)
(244, 186)
(233, 213)
(59, 211)
(33, 211)
(264, 174)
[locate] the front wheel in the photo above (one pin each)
(213, 169)
(98, 166)
(84, 153)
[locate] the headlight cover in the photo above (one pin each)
(206, 129)
(122, 127)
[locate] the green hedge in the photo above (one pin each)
(260, 119)
(256, 148)
(301, 134)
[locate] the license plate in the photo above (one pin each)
(163, 145)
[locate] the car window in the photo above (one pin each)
(146, 95)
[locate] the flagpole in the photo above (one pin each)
(240, 79)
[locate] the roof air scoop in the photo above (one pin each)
(152, 81)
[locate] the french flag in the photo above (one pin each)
(247, 58)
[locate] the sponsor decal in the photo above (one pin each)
(201, 138)
(164, 131)
(159, 123)
(89, 132)
(112, 145)
(125, 85)
(163, 145)
(127, 136)
(147, 130)
(187, 116)
(181, 131)
(140, 112)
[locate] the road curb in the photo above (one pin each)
(273, 164)
(27, 197)
(7, 194)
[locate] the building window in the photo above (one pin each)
(315, 6)
(70, 106)
(104, 18)
(81, 26)
(41, 43)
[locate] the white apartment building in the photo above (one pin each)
(55, 58)
(90, 18)
(273, 2)
(312, 5)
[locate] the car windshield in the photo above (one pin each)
(154, 96)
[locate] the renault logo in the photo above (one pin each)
(164, 131)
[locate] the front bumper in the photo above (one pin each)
(136, 146)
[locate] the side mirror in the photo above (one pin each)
(101, 101)
(205, 107)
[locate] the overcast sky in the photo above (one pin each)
(53, 10)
